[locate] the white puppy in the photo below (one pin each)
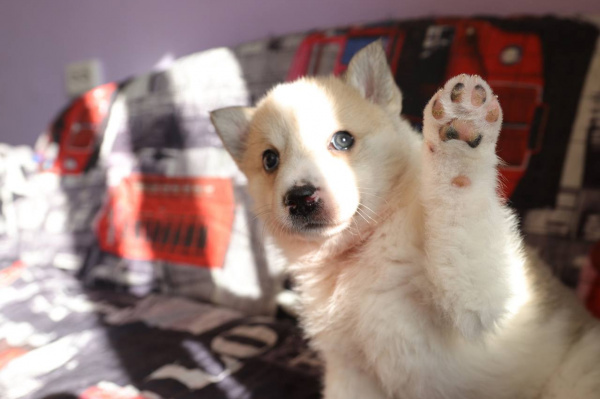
(412, 275)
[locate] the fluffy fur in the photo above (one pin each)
(415, 283)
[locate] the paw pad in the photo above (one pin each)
(460, 130)
(465, 110)
(475, 142)
(461, 181)
(493, 114)
(457, 92)
(478, 96)
(437, 110)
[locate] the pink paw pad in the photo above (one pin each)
(493, 112)
(437, 110)
(461, 181)
(461, 130)
(469, 112)
(478, 96)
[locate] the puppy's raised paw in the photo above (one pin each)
(465, 110)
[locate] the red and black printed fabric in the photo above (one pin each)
(71, 144)
(148, 217)
(511, 55)
(538, 67)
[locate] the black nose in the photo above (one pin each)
(301, 200)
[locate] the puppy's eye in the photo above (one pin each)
(341, 141)
(270, 160)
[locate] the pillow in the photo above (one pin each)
(176, 216)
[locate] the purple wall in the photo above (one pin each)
(38, 38)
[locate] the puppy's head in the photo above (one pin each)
(319, 153)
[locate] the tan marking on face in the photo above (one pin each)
(298, 120)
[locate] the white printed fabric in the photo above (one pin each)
(176, 216)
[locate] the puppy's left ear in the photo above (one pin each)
(370, 73)
(232, 126)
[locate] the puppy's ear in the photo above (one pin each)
(232, 126)
(370, 73)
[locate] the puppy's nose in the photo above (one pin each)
(302, 200)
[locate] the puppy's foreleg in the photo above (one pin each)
(344, 381)
(468, 233)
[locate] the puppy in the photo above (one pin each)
(412, 276)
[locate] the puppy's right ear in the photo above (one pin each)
(232, 126)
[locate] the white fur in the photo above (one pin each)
(420, 288)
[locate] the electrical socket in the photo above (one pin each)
(82, 76)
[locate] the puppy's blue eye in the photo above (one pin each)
(342, 141)
(270, 160)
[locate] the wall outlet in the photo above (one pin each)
(82, 76)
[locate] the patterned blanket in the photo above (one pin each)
(60, 338)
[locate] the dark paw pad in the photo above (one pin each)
(475, 142)
(478, 95)
(457, 92)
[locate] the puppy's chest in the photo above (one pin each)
(371, 302)
(375, 314)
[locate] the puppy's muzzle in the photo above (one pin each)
(302, 200)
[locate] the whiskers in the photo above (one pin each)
(356, 228)
(274, 224)
(363, 210)
(268, 219)
(261, 211)
(366, 213)
(369, 192)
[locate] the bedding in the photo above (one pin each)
(59, 338)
